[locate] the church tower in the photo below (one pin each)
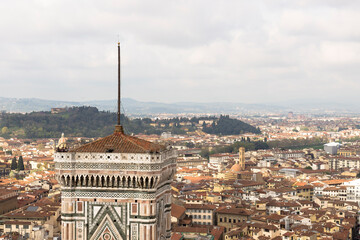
(116, 188)
(242, 158)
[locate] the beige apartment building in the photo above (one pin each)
(200, 213)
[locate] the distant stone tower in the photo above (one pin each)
(242, 158)
(116, 188)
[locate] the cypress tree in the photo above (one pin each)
(13, 164)
(20, 166)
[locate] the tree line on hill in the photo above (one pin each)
(229, 126)
(257, 145)
(90, 122)
(300, 143)
(75, 122)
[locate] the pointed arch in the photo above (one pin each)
(112, 181)
(107, 225)
(102, 181)
(118, 180)
(151, 182)
(75, 182)
(123, 181)
(62, 180)
(92, 181)
(81, 180)
(134, 182)
(87, 181)
(141, 182)
(68, 181)
(72, 181)
(107, 182)
(97, 181)
(147, 182)
(128, 181)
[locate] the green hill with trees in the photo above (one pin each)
(228, 126)
(90, 122)
(74, 122)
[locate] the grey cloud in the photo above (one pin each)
(243, 51)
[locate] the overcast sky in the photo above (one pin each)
(179, 51)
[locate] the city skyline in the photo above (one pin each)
(249, 52)
(245, 123)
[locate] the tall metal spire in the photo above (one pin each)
(118, 127)
(119, 86)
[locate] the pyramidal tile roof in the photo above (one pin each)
(118, 142)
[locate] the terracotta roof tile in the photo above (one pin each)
(235, 211)
(177, 210)
(119, 142)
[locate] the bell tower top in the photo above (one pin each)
(108, 182)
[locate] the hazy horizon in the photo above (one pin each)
(295, 101)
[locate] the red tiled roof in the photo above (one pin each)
(17, 223)
(217, 232)
(119, 142)
(235, 211)
(200, 206)
(335, 181)
(177, 211)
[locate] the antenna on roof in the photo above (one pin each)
(118, 127)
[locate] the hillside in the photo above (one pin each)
(90, 122)
(228, 126)
(76, 121)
